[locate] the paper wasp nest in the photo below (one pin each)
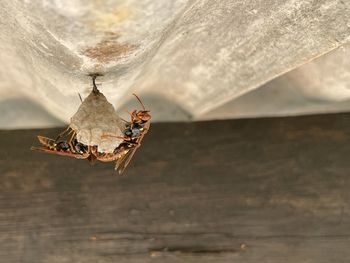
(94, 118)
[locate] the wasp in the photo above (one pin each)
(72, 143)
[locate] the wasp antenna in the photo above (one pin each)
(143, 106)
(80, 97)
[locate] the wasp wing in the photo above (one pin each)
(62, 153)
(119, 156)
(120, 164)
(49, 146)
(126, 158)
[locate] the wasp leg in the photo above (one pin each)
(124, 120)
(70, 141)
(112, 136)
(62, 133)
(133, 143)
(126, 139)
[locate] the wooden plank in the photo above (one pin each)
(258, 190)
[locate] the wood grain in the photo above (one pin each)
(259, 190)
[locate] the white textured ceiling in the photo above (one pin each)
(188, 59)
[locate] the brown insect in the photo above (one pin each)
(134, 133)
(66, 143)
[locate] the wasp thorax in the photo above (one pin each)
(134, 130)
(80, 148)
(62, 145)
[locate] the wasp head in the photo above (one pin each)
(140, 116)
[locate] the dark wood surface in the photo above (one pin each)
(259, 190)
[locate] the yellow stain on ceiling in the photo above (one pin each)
(106, 19)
